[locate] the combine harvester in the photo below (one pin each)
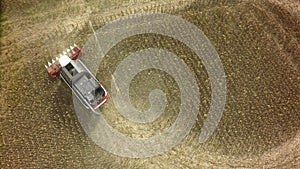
(77, 76)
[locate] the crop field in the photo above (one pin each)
(258, 43)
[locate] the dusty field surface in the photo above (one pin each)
(258, 43)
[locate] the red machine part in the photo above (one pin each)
(54, 69)
(75, 52)
(101, 102)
